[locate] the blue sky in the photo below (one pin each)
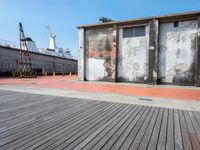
(64, 15)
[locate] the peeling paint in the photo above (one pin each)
(101, 49)
(165, 55)
(177, 52)
(133, 57)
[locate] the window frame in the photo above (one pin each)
(134, 31)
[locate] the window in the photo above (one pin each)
(134, 32)
(127, 32)
(139, 31)
(176, 24)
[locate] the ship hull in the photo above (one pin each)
(42, 63)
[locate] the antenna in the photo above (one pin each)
(49, 30)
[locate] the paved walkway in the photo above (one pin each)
(110, 97)
(30, 121)
(71, 83)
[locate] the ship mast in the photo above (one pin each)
(52, 40)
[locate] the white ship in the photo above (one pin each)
(54, 50)
(51, 50)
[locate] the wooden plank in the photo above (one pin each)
(134, 130)
(100, 139)
(177, 132)
(147, 135)
(53, 127)
(136, 142)
(24, 115)
(49, 122)
(55, 114)
(69, 128)
(104, 124)
(170, 131)
(192, 133)
(195, 124)
(197, 115)
(154, 137)
(185, 135)
(71, 132)
(125, 134)
(114, 138)
(163, 132)
(58, 114)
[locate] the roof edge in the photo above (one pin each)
(142, 19)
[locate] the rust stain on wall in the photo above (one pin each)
(101, 45)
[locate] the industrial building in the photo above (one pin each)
(153, 50)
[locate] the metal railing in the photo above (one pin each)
(10, 44)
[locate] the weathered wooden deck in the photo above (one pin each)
(30, 121)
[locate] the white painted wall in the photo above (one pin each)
(133, 57)
(81, 54)
(175, 49)
(95, 69)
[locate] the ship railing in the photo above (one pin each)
(10, 44)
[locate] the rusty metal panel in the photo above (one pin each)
(177, 46)
(100, 54)
(133, 57)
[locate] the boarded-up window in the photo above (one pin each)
(127, 32)
(139, 31)
(134, 32)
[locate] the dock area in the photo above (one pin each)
(33, 121)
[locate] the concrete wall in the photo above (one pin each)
(133, 58)
(165, 55)
(9, 62)
(81, 51)
(100, 54)
(177, 48)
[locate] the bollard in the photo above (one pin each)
(45, 73)
(13, 74)
(54, 73)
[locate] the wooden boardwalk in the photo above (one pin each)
(29, 121)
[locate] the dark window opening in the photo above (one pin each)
(134, 32)
(139, 31)
(176, 24)
(127, 32)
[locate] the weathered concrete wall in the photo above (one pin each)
(197, 65)
(153, 51)
(100, 54)
(9, 62)
(81, 51)
(177, 48)
(167, 54)
(133, 58)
